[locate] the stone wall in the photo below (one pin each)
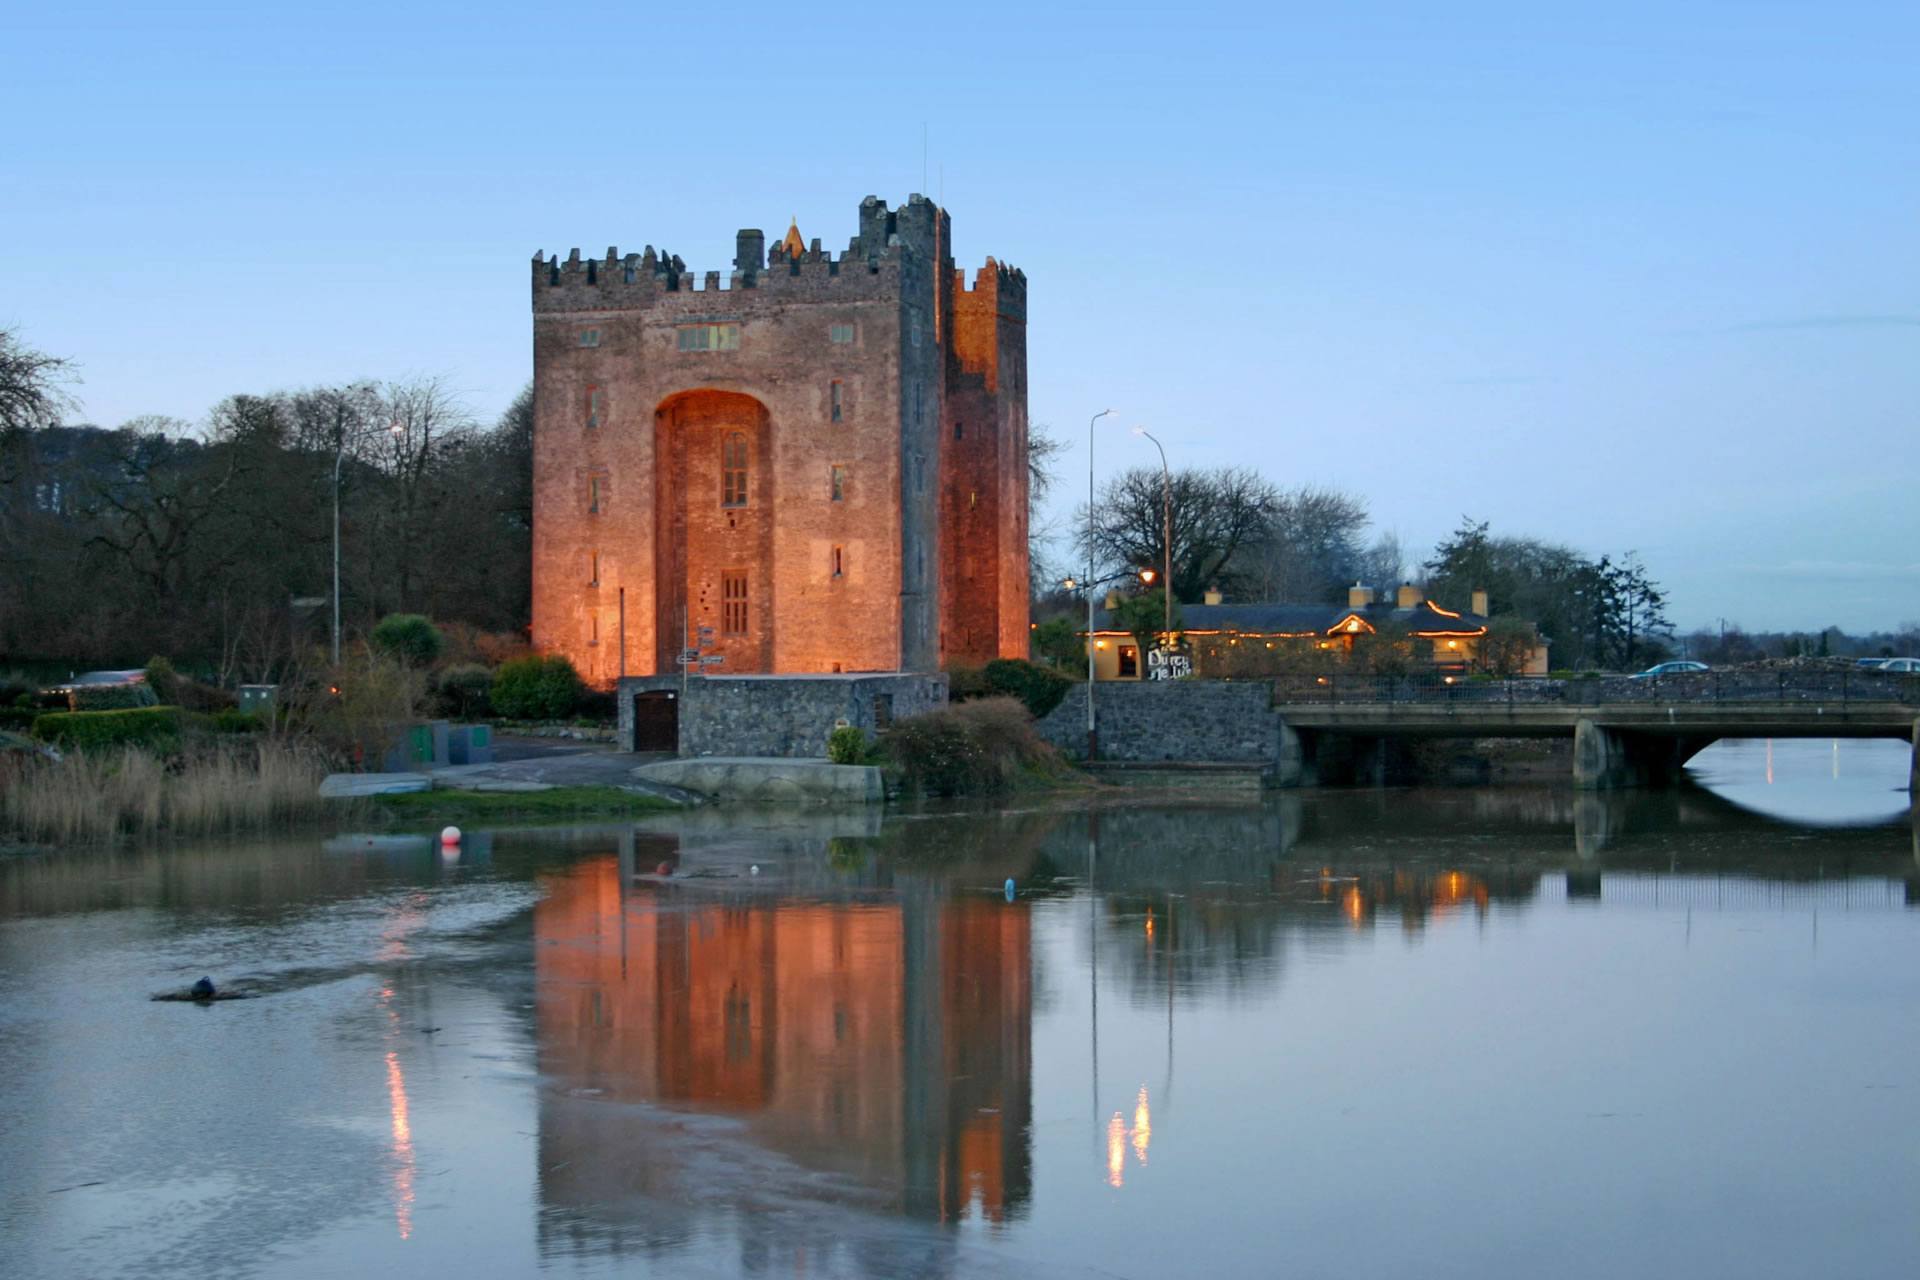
(1212, 720)
(788, 716)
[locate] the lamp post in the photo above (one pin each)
(1166, 536)
(1093, 741)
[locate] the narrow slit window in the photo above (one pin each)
(593, 568)
(593, 494)
(596, 405)
(839, 562)
(733, 604)
(733, 470)
(959, 430)
(837, 484)
(836, 401)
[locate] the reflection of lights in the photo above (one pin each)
(1116, 1149)
(1355, 904)
(1142, 1126)
(1149, 922)
(402, 1146)
(1769, 761)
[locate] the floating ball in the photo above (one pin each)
(664, 869)
(451, 836)
(1010, 889)
(754, 869)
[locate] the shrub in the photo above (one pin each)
(970, 748)
(19, 718)
(408, 637)
(1059, 643)
(1038, 689)
(462, 690)
(967, 683)
(113, 697)
(163, 679)
(234, 720)
(154, 729)
(536, 688)
(847, 745)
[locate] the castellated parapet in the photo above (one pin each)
(809, 464)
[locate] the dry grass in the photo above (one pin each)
(233, 788)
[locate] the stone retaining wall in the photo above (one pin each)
(787, 716)
(1213, 720)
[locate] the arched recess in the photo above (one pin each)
(713, 528)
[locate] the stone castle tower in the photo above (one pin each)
(823, 462)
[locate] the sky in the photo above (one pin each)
(1629, 277)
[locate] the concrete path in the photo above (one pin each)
(586, 767)
(339, 786)
(770, 780)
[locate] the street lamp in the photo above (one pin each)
(1166, 536)
(1093, 741)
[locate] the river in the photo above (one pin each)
(1473, 1032)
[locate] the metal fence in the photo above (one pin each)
(1803, 686)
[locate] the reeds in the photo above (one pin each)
(96, 796)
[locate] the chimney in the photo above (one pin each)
(1213, 595)
(1359, 597)
(1480, 602)
(1409, 596)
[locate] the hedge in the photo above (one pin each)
(536, 688)
(155, 729)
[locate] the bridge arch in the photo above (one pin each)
(714, 489)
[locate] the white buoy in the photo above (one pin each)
(754, 869)
(450, 837)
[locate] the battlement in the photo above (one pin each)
(886, 239)
(1006, 285)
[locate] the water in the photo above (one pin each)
(1437, 1033)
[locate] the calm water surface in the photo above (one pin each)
(1492, 1032)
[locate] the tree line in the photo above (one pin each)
(212, 541)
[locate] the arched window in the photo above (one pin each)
(733, 469)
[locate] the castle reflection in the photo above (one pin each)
(874, 1045)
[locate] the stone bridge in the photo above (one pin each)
(1626, 731)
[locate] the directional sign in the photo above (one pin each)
(689, 656)
(706, 633)
(713, 660)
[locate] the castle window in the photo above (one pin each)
(959, 430)
(733, 470)
(709, 337)
(593, 495)
(593, 568)
(837, 482)
(593, 628)
(840, 333)
(733, 604)
(589, 337)
(839, 562)
(835, 401)
(596, 405)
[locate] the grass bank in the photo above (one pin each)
(442, 806)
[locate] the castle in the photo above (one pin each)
(821, 466)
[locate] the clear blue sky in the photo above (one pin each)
(1628, 276)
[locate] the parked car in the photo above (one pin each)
(1901, 666)
(1670, 669)
(98, 680)
(1867, 664)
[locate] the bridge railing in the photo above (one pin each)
(1818, 685)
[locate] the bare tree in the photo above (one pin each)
(31, 391)
(1217, 516)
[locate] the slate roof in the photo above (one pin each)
(1320, 619)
